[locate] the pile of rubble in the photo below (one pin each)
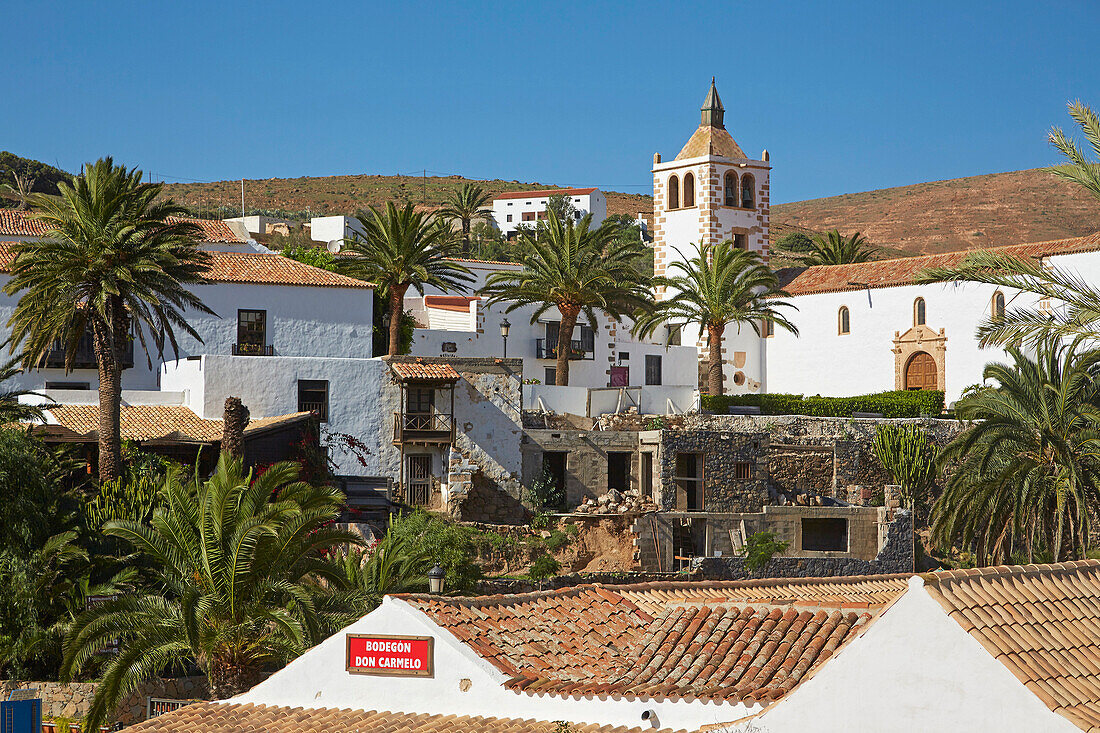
(617, 502)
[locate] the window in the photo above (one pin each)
(618, 471)
(419, 400)
(313, 397)
(689, 482)
(748, 192)
(251, 332)
(843, 323)
(527, 216)
(587, 339)
(509, 217)
(554, 467)
(652, 369)
(673, 192)
(689, 190)
(647, 475)
(731, 189)
(918, 312)
(551, 375)
(740, 241)
(68, 385)
(742, 470)
(674, 335)
(825, 535)
(577, 215)
(998, 304)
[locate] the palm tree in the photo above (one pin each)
(576, 269)
(235, 561)
(466, 204)
(1079, 312)
(720, 285)
(832, 248)
(11, 409)
(1025, 473)
(112, 266)
(1080, 170)
(401, 248)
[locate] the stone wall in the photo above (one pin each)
(723, 451)
(74, 699)
(799, 469)
(587, 462)
(896, 556)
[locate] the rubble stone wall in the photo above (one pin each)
(724, 452)
(74, 699)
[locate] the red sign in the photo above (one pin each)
(391, 655)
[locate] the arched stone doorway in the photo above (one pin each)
(921, 372)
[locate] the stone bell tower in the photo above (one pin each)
(711, 191)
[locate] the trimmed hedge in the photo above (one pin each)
(891, 404)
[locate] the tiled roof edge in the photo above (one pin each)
(935, 579)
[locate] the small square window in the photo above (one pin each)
(313, 397)
(509, 217)
(551, 375)
(742, 470)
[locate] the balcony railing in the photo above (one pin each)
(320, 408)
(85, 355)
(548, 350)
(435, 427)
(253, 350)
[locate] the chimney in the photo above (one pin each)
(234, 421)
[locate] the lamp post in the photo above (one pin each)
(505, 326)
(435, 579)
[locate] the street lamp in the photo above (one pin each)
(435, 579)
(504, 328)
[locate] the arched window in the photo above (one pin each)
(748, 192)
(844, 324)
(731, 189)
(918, 312)
(673, 192)
(689, 190)
(998, 304)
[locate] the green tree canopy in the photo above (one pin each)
(832, 248)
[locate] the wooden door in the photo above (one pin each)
(921, 373)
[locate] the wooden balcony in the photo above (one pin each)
(84, 358)
(436, 428)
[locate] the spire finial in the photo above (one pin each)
(712, 109)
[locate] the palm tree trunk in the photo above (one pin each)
(569, 314)
(228, 678)
(465, 236)
(397, 307)
(109, 354)
(714, 365)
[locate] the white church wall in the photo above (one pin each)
(820, 361)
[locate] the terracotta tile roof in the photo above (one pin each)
(748, 641)
(18, 224)
(272, 269)
(427, 371)
(550, 192)
(457, 303)
(21, 224)
(1041, 621)
(153, 423)
(205, 717)
(249, 267)
(904, 270)
(707, 140)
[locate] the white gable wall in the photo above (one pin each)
(318, 679)
(915, 669)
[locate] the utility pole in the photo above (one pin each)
(242, 198)
(424, 187)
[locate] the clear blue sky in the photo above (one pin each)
(847, 96)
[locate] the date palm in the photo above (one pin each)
(575, 269)
(719, 286)
(1078, 312)
(233, 589)
(113, 266)
(402, 249)
(466, 204)
(833, 248)
(1025, 474)
(11, 409)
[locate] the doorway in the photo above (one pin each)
(921, 372)
(418, 472)
(554, 468)
(618, 471)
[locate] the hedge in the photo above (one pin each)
(914, 403)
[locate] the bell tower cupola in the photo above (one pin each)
(713, 111)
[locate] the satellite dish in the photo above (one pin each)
(335, 245)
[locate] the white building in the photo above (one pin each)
(517, 209)
(710, 192)
(606, 354)
(995, 650)
(334, 228)
(284, 337)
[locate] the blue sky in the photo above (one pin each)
(847, 96)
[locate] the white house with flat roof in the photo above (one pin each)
(517, 209)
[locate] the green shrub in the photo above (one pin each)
(909, 455)
(761, 547)
(544, 566)
(911, 403)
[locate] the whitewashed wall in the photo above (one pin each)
(594, 203)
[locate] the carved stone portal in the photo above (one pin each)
(908, 348)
